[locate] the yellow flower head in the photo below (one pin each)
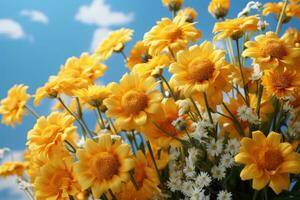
(281, 84)
(189, 13)
(114, 42)
(292, 10)
(174, 35)
(12, 168)
(56, 180)
(200, 68)
(146, 179)
(80, 72)
(235, 28)
(173, 4)
(138, 54)
(218, 8)
(12, 107)
(133, 102)
(49, 90)
(268, 161)
(271, 52)
(293, 36)
(48, 134)
(103, 165)
(94, 95)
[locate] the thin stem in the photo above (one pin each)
(187, 133)
(235, 121)
(230, 50)
(259, 96)
(282, 15)
(196, 107)
(153, 161)
(266, 193)
(100, 117)
(112, 194)
(112, 125)
(168, 86)
(124, 55)
(134, 140)
(70, 145)
(132, 179)
(172, 53)
(34, 114)
(255, 195)
(79, 110)
(207, 108)
(168, 134)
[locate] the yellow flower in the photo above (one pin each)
(138, 54)
(103, 165)
(218, 8)
(292, 10)
(267, 161)
(271, 52)
(48, 134)
(35, 161)
(154, 64)
(94, 95)
(11, 169)
(56, 180)
(12, 107)
(161, 130)
(114, 42)
(80, 72)
(293, 36)
(281, 84)
(133, 102)
(235, 28)
(49, 90)
(146, 179)
(173, 4)
(189, 13)
(174, 35)
(199, 69)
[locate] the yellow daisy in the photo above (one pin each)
(103, 165)
(235, 28)
(268, 161)
(293, 36)
(12, 107)
(49, 90)
(133, 102)
(292, 10)
(168, 34)
(271, 52)
(189, 13)
(138, 54)
(48, 134)
(114, 42)
(218, 8)
(56, 180)
(173, 4)
(199, 69)
(11, 169)
(281, 84)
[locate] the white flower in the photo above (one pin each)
(189, 169)
(184, 107)
(3, 151)
(203, 180)
(187, 188)
(227, 160)
(175, 182)
(224, 195)
(193, 153)
(232, 146)
(214, 148)
(257, 73)
(245, 113)
(262, 24)
(250, 6)
(174, 154)
(197, 194)
(218, 172)
(201, 130)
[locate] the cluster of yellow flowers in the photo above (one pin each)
(144, 118)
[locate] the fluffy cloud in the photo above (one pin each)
(99, 13)
(35, 15)
(11, 29)
(99, 35)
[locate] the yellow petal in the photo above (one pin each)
(249, 172)
(141, 118)
(258, 137)
(259, 183)
(243, 157)
(280, 182)
(273, 138)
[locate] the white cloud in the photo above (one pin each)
(11, 29)
(99, 13)
(9, 184)
(35, 15)
(99, 35)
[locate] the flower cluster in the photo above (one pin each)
(225, 125)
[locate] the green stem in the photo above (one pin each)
(34, 114)
(235, 121)
(266, 193)
(259, 96)
(153, 161)
(255, 195)
(282, 15)
(196, 107)
(168, 86)
(124, 56)
(207, 108)
(100, 117)
(172, 53)
(132, 179)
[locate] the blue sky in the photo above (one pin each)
(36, 37)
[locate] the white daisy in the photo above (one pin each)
(197, 194)
(224, 195)
(227, 160)
(187, 188)
(203, 180)
(214, 148)
(218, 172)
(232, 147)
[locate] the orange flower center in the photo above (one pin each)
(134, 101)
(274, 49)
(105, 165)
(201, 70)
(173, 33)
(281, 81)
(270, 159)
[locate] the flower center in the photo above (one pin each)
(173, 33)
(274, 49)
(105, 165)
(280, 81)
(201, 70)
(270, 159)
(134, 101)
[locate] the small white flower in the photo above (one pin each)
(203, 180)
(189, 169)
(245, 113)
(174, 154)
(174, 184)
(193, 153)
(218, 172)
(184, 107)
(201, 130)
(250, 6)
(257, 73)
(224, 195)
(214, 148)
(187, 188)
(262, 24)
(227, 160)
(232, 146)
(197, 194)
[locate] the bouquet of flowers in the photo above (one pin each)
(190, 120)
